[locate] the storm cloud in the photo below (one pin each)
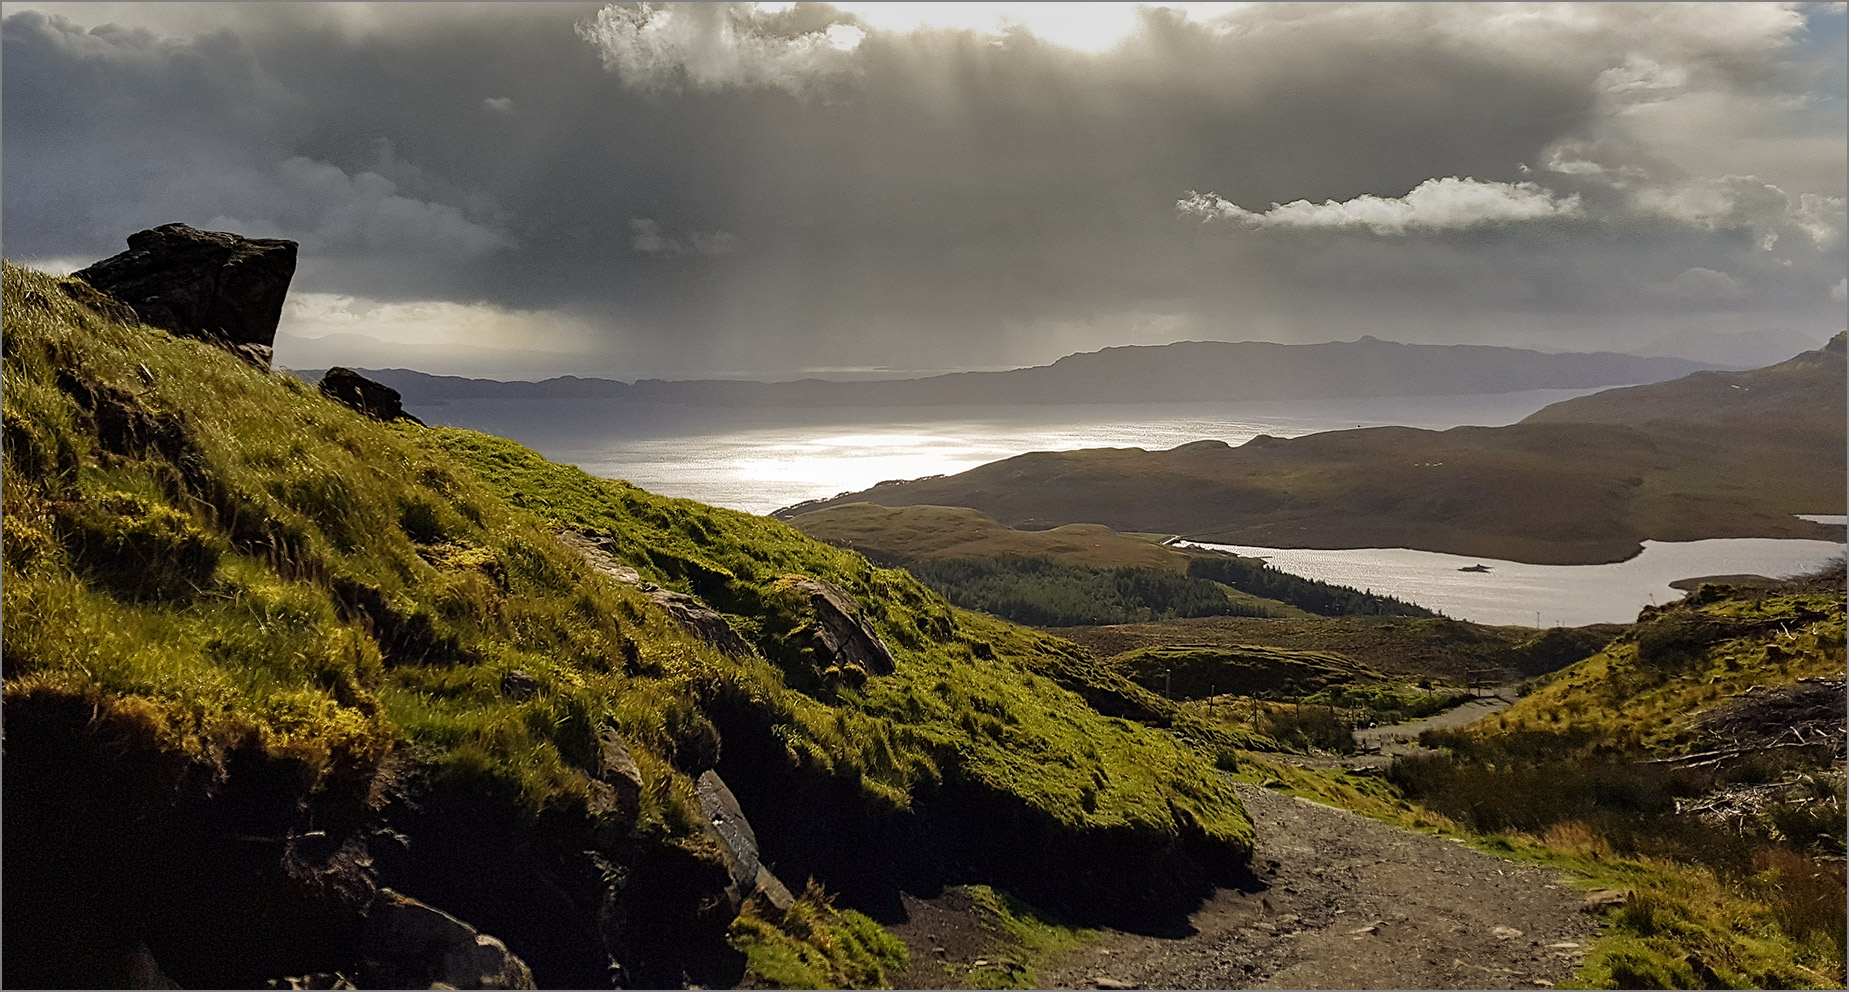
(659, 189)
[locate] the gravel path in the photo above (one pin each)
(1348, 902)
(1457, 716)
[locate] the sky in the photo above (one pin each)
(681, 190)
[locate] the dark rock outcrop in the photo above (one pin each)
(374, 399)
(411, 945)
(214, 285)
(519, 684)
(616, 792)
(694, 616)
(738, 843)
(837, 636)
(701, 621)
(596, 552)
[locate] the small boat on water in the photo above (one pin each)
(1474, 568)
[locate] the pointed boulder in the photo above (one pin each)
(214, 285)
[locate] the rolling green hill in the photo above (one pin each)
(265, 656)
(1577, 483)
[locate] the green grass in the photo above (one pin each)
(1024, 937)
(218, 555)
(996, 696)
(1644, 690)
(1561, 778)
(814, 945)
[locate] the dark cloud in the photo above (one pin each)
(720, 188)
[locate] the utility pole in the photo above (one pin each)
(1168, 683)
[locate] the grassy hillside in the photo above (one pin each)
(1662, 462)
(235, 608)
(1691, 774)
(1698, 759)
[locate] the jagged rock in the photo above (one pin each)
(214, 285)
(1600, 900)
(412, 945)
(701, 621)
(837, 634)
(726, 824)
(617, 789)
(694, 616)
(374, 399)
(518, 684)
(596, 554)
(313, 980)
(145, 973)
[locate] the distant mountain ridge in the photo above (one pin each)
(1713, 454)
(1184, 371)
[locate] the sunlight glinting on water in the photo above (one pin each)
(1518, 593)
(760, 460)
(763, 469)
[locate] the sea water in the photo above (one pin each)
(760, 459)
(1512, 592)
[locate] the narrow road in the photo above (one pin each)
(1352, 903)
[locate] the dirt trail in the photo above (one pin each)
(1351, 903)
(1386, 738)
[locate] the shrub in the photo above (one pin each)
(1309, 726)
(1046, 593)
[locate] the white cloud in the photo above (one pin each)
(1822, 217)
(1744, 203)
(646, 237)
(56, 265)
(498, 105)
(1448, 204)
(1840, 291)
(719, 46)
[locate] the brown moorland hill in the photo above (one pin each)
(1711, 455)
(904, 532)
